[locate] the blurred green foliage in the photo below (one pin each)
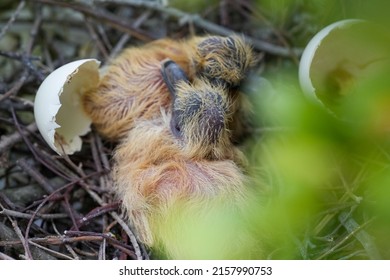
(319, 167)
(299, 20)
(326, 172)
(325, 11)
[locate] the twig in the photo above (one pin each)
(17, 214)
(34, 31)
(120, 221)
(19, 233)
(96, 212)
(17, 103)
(69, 209)
(18, 56)
(95, 38)
(104, 16)
(17, 86)
(74, 238)
(22, 239)
(6, 142)
(137, 23)
(209, 26)
(103, 156)
(52, 252)
(5, 257)
(102, 250)
(52, 240)
(224, 12)
(38, 177)
(12, 19)
(115, 243)
(67, 246)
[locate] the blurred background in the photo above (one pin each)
(320, 177)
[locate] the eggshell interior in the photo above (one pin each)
(58, 109)
(337, 56)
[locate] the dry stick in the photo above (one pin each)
(278, 34)
(5, 257)
(67, 246)
(104, 16)
(98, 164)
(95, 153)
(52, 240)
(49, 240)
(209, 26)
(52, 252)
(101, 30)
(125, 227)
(123, 40)
(223, 11)
(20, 235)
(50, 162)
(100, 201)
(102, 250)
(96, 212)
(76, 168)
(50, 196)
(30, 45)
(22, 103)
(100, 159)
(93, 253)
(9, 140)
(5, 199)
(17, 86)
(69, 210)
(109, 238)
(95, 37)
(33, 150)
(33, 32)
(120, 221)
(103, 156)
(22, 239)
(17, 214)
(18, 56)
(29, 66)
(50, 190)
(36, 175)
(12, 19)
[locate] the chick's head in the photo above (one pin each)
(224, 60)
(201, 112)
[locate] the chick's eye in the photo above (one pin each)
(175, 128)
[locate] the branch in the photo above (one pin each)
(104, 16)
(208, 26)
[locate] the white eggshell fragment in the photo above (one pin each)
(337, 56)
(58, 109)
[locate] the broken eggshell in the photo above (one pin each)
(338, 56)
(58, 110)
